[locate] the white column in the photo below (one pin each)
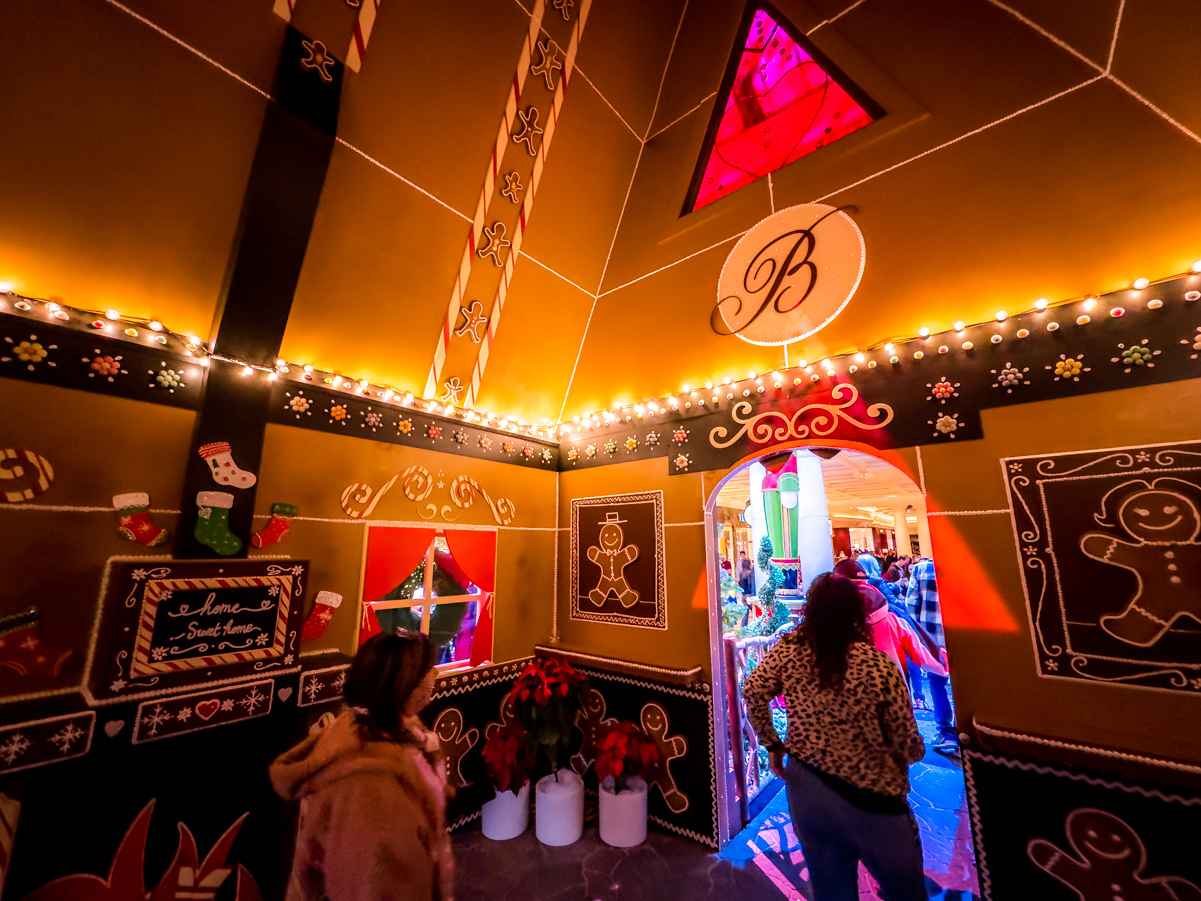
(815, 548)
(902, 530)
(923, 529)
(755, 516)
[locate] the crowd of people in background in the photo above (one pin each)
(869, 644)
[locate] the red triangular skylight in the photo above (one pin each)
(780, 101)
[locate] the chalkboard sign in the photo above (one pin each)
(167, 624)
(193, 623)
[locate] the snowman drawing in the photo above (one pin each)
(1163, 519)
(612, 555)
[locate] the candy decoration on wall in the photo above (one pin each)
(320, 616)
(212, 523)
(29, 353)
(277, 526)
(225, 471)
(24, 474)
(133, 519)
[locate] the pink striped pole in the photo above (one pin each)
(487, 192)
(527, 207)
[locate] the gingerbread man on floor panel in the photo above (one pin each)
(1106, 862)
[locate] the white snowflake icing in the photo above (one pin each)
(13, 747)
(313, 688)
(65, 737)
(252, 700)
(155, 719)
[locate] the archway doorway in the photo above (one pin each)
(776, 522)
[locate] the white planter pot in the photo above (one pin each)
(559, 809)
(507, 815)
(623, 815)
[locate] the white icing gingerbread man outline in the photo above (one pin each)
(1166, 554)
(655, 724)
(1108, 861)
(455, 743)
(611, 557)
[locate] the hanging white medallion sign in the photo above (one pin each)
(790, 275)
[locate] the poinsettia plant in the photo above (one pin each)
(624, 751)
(546, 698)
(509, 756)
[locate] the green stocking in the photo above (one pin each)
(212, 522)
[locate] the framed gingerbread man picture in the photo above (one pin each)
(1109, 547)
(618, 570)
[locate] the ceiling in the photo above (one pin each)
(855, 484)
(1035, 148)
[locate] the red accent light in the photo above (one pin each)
(781, 106)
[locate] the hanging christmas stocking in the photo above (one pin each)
(225, 471)
(133, 519)
(320, 615)
(276, 528)
(212, 522)
(25, 659)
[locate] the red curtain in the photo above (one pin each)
(475, 552)
(392, 554)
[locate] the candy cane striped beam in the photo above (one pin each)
(361, 35)
(527, 207)
(363, 24)
(487, 192)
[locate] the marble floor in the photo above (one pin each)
(764, 862)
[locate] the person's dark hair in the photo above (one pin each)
(834, 620)
(384, 673)
(849, 569)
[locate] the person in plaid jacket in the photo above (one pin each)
(922, 600)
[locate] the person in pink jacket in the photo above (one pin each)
(889, 633)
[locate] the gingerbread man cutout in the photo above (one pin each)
(1163, 519)
(655, 725)
(612, 558)
(588, 719)
(1108, 862)
(455, 743)
(507, 715)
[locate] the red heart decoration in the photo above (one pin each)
(206, 709)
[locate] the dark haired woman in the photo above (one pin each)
(851, 738)
(372, 786)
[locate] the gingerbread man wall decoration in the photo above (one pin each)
(612, 555)
(655, 724)
(1106, 862)
(588, 719)
(1164, 519)
(455, 743)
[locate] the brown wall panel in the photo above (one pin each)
(125, 168)
(312, 469)
(525, 565)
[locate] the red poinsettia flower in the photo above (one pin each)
(624, 751)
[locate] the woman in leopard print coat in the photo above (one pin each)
(851, 738)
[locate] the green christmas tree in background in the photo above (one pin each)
(775, 614)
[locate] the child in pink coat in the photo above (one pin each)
(889, 633)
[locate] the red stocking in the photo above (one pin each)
(321, 614)
(277, 525)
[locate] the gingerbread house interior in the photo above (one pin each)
(312, 310)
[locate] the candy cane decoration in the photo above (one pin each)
(527, 206)
(363, 24)
(485, 199)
